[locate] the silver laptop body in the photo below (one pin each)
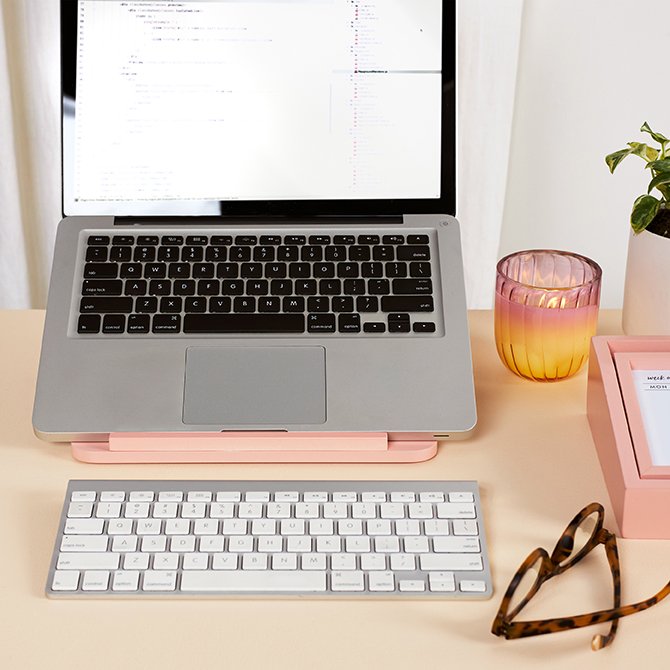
(338, 311)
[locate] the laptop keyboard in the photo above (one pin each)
(276, 284)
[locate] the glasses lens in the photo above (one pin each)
(572, 551)
(525, 587)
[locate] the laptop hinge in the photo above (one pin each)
(259, 220)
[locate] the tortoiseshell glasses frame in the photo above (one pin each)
(560, 560)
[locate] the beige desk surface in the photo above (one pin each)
(532, 454)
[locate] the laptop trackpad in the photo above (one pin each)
(255, 385)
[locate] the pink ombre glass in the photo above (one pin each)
(546, 311)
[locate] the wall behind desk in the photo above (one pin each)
(590, 73)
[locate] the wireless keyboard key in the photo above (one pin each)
(265, 581)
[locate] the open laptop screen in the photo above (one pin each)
(282, 106)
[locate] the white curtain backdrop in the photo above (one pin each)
(29, 149)
(30, 141)
(489, 33)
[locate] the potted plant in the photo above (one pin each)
(646, 302)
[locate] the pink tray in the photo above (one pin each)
(254, 447)
(639, 492)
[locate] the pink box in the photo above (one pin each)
(639, 491)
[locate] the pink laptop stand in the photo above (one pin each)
(253, 447)
(639, 493)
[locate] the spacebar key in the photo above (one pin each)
(254, 581)
(244, 323)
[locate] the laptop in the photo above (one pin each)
(259, 229)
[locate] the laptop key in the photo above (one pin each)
(144, 254)
(172, 240)
(106, 305)
(120, 254)
(318, 304)
(417, 239)
(343, 304)
(367, 303)
(98, 239)
(287, 254)
(101, 287)
(146, 305)
(417, 253)
(246, 240)
(281, 287)
(293, 304)
(170, 305)
(96, 254)
(192, 254)
(135, 287)
(407, 304)
(349, 323)
(89, 323)
(147, 240)
(113, 323)
(221, 240)
(321, 323)
(398, 323)
(242, 254)
(123, 240)
(193, 240)
(423, 327)
(129, 270)
(101, 270)
(359, 253)
(179, 271)
(295, 239)
(244, 323)
(167, 323)
(138, 323)
(412, 286)
(374, 327)
(419, 269)
(379, 286)
(398, 269)
(222, 304)
(195, 305)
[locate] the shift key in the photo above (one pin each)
(106, 305)
(409, 303)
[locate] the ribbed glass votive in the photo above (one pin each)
(546, 311)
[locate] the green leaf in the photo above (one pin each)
(661, 179)
(660, 166)
(645, 209)
(657, 136)
(615, 158)
(644, 151)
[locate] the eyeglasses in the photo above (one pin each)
(575, 543)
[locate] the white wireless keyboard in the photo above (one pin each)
(267, 538)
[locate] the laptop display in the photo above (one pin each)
(203, 106)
